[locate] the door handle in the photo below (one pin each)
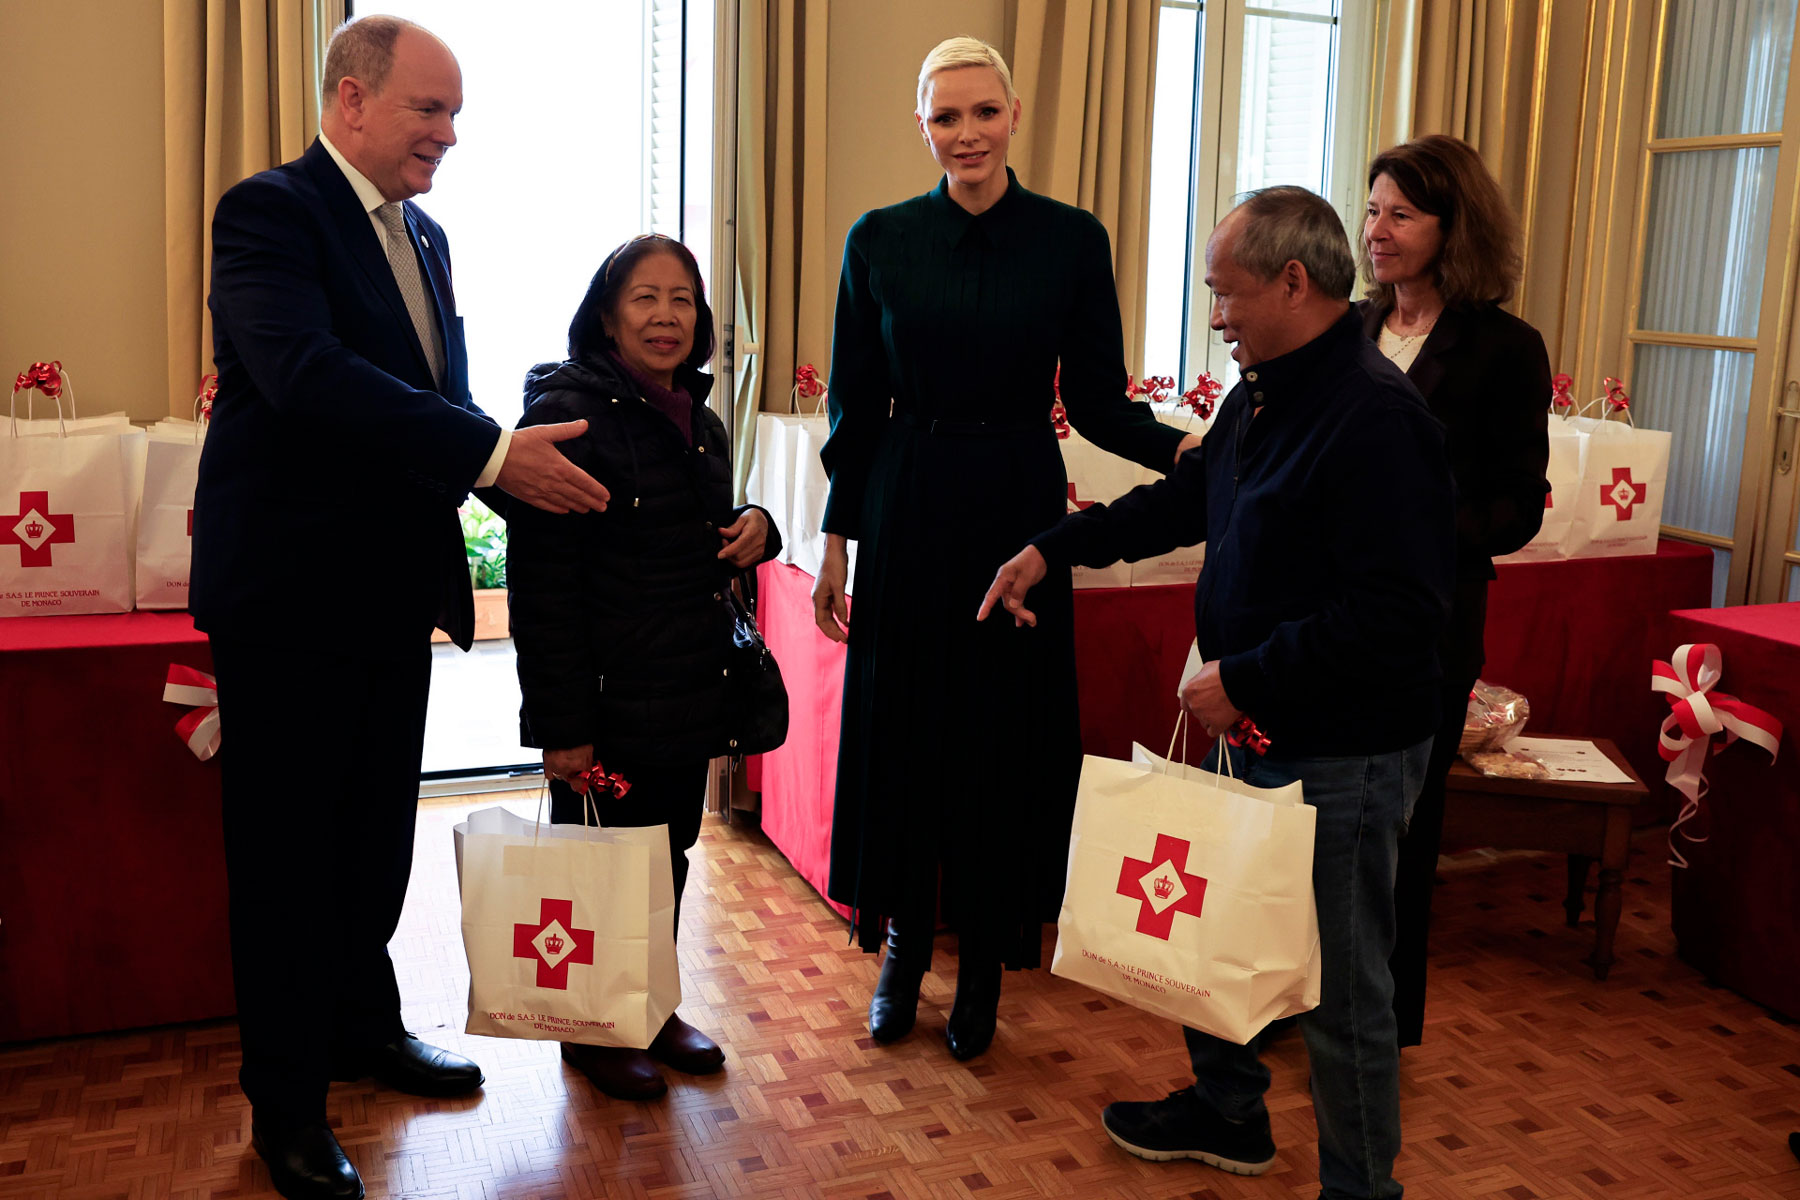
(1788, 413)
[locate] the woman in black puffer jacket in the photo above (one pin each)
(619, 617)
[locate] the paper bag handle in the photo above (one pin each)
(1180, 731)
(68, 386)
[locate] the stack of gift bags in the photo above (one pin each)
(97, 514)
(1607, 480)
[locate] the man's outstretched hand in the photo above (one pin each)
(1016, 577)
(536, 472)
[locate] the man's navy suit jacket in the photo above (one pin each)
(334, 462)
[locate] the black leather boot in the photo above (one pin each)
(895, 1005)
(970, 1030)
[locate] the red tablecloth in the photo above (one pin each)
(1736, 907)
(1576, 637)
(112, 873)
(1130, 645)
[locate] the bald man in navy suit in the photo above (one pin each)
(343, 439)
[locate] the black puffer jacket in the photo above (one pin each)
(618, 616)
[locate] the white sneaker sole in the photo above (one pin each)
(1231, 1165)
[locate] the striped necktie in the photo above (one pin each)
(405, 261)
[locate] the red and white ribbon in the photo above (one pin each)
(199, 728)
(1699, 712)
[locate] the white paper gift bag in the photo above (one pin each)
(570, 931)
(66, 523)
(1567, 446)
(1098, 477)
(1624, 476)
(811, 487)
(771, 481)
(1190, 896)
(165, 530)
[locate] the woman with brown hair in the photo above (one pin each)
(1440, 248)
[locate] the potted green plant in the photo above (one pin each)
(484, 538)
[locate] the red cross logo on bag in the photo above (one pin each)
(1076, 505)
(1161, 886)
(555, 943)
(1622, 493)
(34, 529)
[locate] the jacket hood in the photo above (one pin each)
(602, 377)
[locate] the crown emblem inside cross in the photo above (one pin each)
(553, 944)
(34, 529)
(1165, 887)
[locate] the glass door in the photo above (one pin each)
(1714, 282)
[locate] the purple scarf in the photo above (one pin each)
(676, 405)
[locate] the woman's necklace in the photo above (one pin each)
(1403, 346)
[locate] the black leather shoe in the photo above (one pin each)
(685, 1048)
(409, 1065)
(620, 1071)
(970, 1030)
(305, 1161)
(895, 1005)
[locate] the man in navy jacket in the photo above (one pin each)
(1324, 498)
(342, 441)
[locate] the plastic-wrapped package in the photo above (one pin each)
(1496, 716)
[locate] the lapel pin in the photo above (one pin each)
(425, 240)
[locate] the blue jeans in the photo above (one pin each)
(1363, 806)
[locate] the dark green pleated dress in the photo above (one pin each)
(961, 743)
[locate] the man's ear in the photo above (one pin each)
(352, 99)
(1295, 283)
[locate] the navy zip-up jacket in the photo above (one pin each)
(1329, 523)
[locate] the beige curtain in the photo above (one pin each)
(1085, 74)
(785, 271)
(1554, 94)
(240, 95)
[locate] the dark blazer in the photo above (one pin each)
(334, 459)
(1486, 375)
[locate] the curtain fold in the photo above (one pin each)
(785, 272)
(240, 95)
(1085, 71)
(1554, 95)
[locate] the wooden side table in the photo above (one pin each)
(1586, 821)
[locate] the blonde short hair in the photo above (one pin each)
(955, 52)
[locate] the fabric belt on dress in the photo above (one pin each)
(955, 427)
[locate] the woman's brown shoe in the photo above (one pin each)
(620, 1071)
(685, 1048)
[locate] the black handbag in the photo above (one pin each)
(756, 701)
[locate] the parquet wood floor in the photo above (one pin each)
(1535, 1083)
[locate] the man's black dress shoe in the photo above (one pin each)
(895, 1005)
(685, 1048)
(409, 1065)
(305, 1161)
(970, 1030)
(620, 1071)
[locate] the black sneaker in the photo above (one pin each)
(1185, 1126)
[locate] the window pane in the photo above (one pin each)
(1721, 576)
(1793, 584)
(1703, 398)
(1171, 189)
(1317, 8)
(1708, 241)
(1725, 67)
(525, 153)
(696, 171)
(1284, 113)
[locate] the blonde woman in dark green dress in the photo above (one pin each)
(961, 743)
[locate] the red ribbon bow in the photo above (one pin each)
(597, 778)
(1059, 420)
(209, 391)
(1203, 397)
(806, 381)
(45, 377)
(1560, 388)
(199, 728)
(1247, 736)
(1154, 389)
(1616, 399)
(1698, 712)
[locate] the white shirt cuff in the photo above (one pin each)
(491, 472)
